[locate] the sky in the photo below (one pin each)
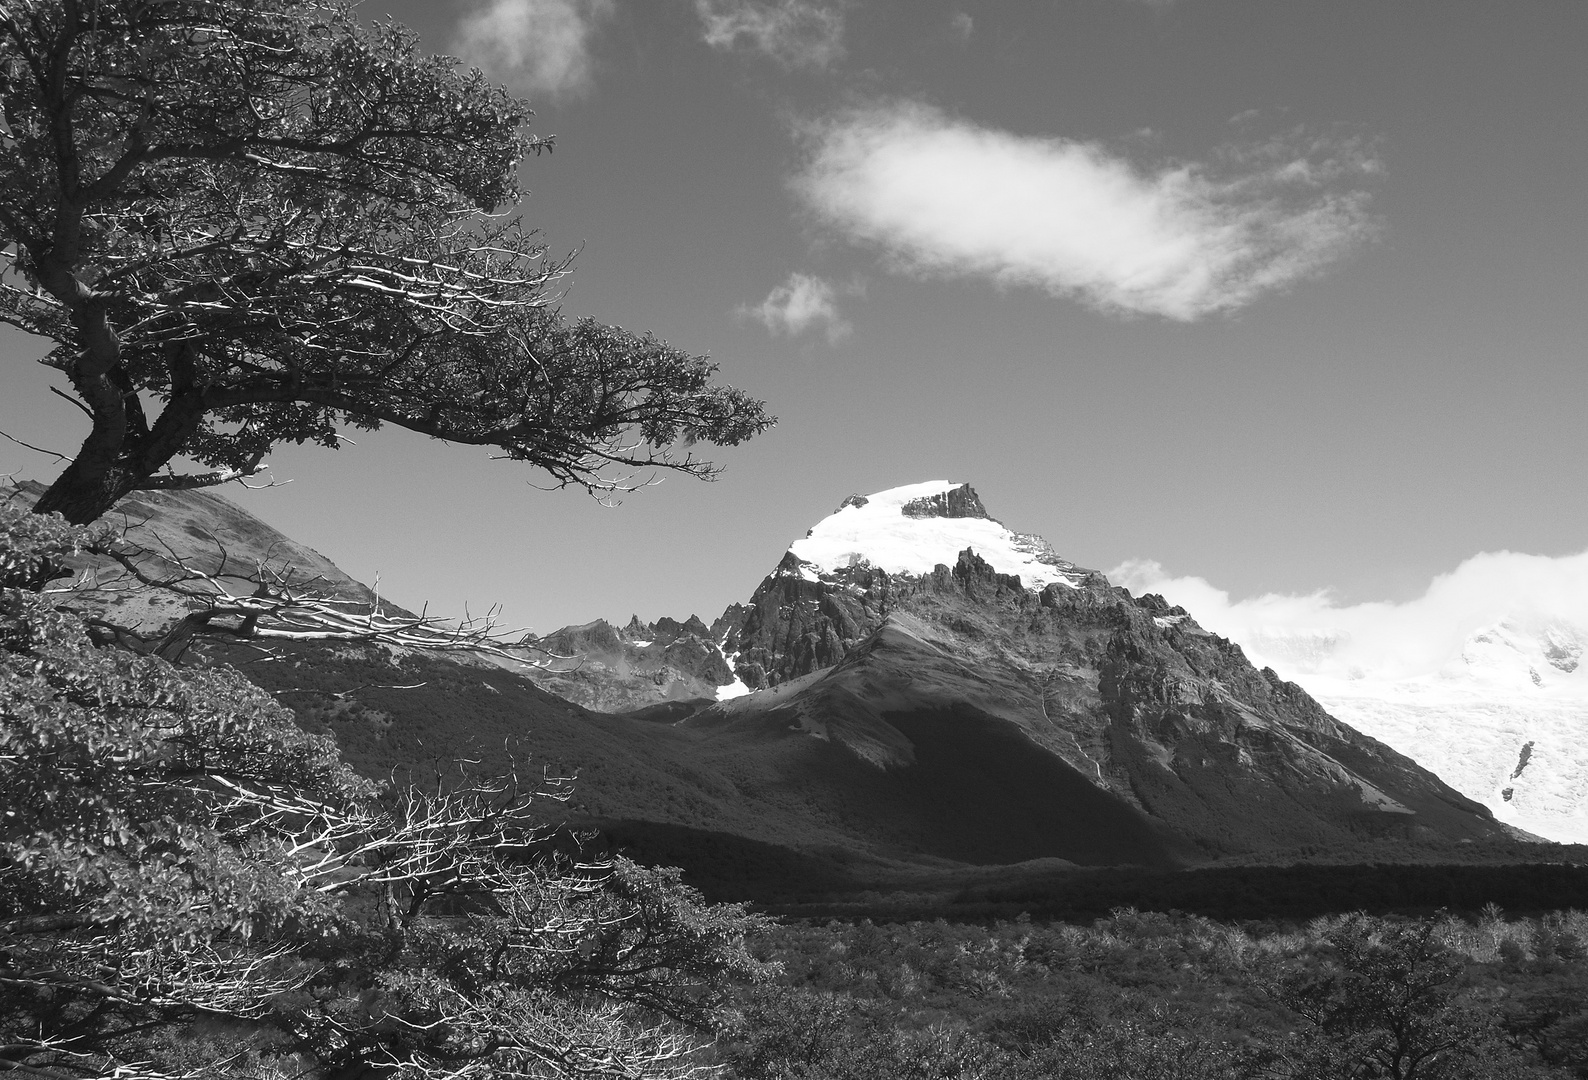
(1291, 299)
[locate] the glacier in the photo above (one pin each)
(1480, 679)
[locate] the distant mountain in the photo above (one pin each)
(668, 664)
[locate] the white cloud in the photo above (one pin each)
(537, 46)
(801, 303)
(962, 24)
(795, 33)
(943, 196)
(1505, 595)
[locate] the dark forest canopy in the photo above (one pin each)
(243, 223)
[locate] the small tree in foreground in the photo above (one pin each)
(269, 221)
(1385, 1003)
(190, 885)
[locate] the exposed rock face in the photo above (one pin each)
(959, 502)
(797, 622)
(619, 670)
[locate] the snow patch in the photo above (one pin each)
(874, 530)
(737, 688)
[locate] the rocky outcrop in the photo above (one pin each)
(608, 669)
(959, 502)
(798, 621)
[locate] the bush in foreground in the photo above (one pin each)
(190, 885)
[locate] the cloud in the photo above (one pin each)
(795, 33)
(1535, 597)
(538, 46)
(962, 24)
(942, 196)
(801, 303)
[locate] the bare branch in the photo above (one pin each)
(63, 394)
(30, 446)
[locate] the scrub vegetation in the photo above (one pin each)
(1146, 995)
(193, 885)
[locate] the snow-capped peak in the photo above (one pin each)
(911, 529)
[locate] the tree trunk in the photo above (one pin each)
(117, 457)
(84, 493)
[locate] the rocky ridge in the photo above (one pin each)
(665, 665)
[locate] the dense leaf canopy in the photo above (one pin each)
(273, 221)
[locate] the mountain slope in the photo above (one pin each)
(182, 531)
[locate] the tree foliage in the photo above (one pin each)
(192, 885)
(272, 221)
(1383, 1002)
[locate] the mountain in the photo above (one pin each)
(921, 637)
(915, 694)
(910, 619)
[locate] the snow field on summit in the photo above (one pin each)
(880, 533)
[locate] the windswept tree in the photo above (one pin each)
(243, 222)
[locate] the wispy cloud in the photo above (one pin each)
(536, 46)
(1533, 598)
(943, 196)
(801, 303)
(795, 33)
